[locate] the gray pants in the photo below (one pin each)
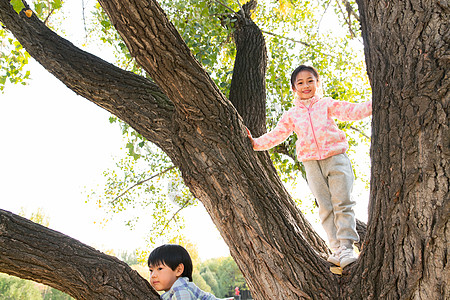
(331, 182)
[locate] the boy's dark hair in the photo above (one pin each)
(172, 255)
(303, 68)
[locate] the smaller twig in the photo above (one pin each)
(360, 131)
(48, 16)
(240, 8)
(350, 9)
(83, 7)
(348, 21)
(295, 41)
(174, 215)
(286, 38)
(143, 181)
(324, 12)
(226, 6)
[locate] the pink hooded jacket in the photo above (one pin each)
(318, 135)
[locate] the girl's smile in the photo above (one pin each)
(305, 85)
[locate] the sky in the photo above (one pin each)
(54, 148)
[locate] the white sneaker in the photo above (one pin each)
(334, 257)
(346, 256)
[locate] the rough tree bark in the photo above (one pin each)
(279, 254)
(34, 252)
(408, 59)
(248, 84)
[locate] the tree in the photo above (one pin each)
(222, 275)
(15, 288)
(185, 114)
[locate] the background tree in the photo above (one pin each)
(16, 288)
(222, 275)
(276, 249)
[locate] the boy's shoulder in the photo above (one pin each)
(182, 289)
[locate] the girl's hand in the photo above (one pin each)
(250, 136)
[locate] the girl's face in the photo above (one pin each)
(162, 277)
(305, 85)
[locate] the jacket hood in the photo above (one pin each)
(313, 99)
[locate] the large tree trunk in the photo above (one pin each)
(268, 237)
(279, 254)
(408, 59)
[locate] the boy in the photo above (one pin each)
(171, 271)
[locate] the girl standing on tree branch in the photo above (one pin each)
(321, 147)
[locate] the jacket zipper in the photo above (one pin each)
(313, 132)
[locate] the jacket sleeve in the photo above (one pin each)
(181, 294)
(347, 111)
(281, 132)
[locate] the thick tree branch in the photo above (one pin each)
(93, 78)
(248, 84)
(34, 252)
(157, 46)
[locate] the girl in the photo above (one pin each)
(321, 147)
(171, 271)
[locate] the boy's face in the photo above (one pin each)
(162, 277)
(305, 85)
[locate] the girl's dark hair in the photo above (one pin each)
(171, 255)
(303, 68)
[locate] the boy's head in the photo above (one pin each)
(172, 256)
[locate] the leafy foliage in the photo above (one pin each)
(153, 179)
(13, 288)
(222, 275)
(13, 57)
(17, 5)
(38, 216)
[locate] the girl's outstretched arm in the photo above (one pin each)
(282, 131)
(347, 111)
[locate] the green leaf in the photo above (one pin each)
(17, 5)
(57, 4)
